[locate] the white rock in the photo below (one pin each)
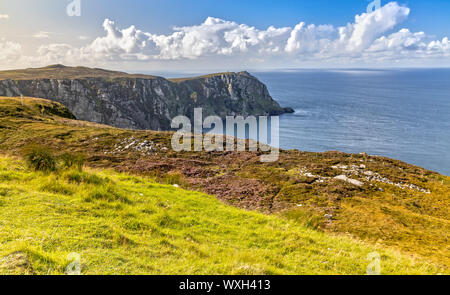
(349, 180)
(344, 167)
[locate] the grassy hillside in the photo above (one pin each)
(394, 205)
(121, 224)
(63, 72)
(178, 80)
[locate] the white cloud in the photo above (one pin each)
(370, 38)
(58, 53)
(119, 44)
(310, 39)
(4, 16)
(42, 35)
(10, 52)
(368, 26)
(400, 41)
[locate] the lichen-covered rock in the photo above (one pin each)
(142, 102)
(349, 180)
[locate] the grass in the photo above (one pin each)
(40, 158)
(179, 80)
(63, 72)
(123, 224)
(407, 220)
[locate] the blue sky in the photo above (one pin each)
(32, 24)
(431, 16)
(428, 15)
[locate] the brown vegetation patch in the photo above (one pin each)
(16, 263)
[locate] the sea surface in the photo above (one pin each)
(402, 114)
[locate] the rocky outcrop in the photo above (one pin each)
(139, 101)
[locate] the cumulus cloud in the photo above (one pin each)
(369, 26)
(217, 37)
(123, 44)
(371, 37)
(9, 51)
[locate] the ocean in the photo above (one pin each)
(402, 114)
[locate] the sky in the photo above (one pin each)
(216, 35)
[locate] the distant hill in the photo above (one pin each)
(61, 72)
(141, 101)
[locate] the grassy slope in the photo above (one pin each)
(64, 72)
(122, 224)
(179, 80)
(411, 221)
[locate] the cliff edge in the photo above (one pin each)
(135, 101)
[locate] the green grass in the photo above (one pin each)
(412, 222)
(179, 80)
(63, 72)
(122, 224)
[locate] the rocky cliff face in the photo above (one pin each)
(138, 101)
